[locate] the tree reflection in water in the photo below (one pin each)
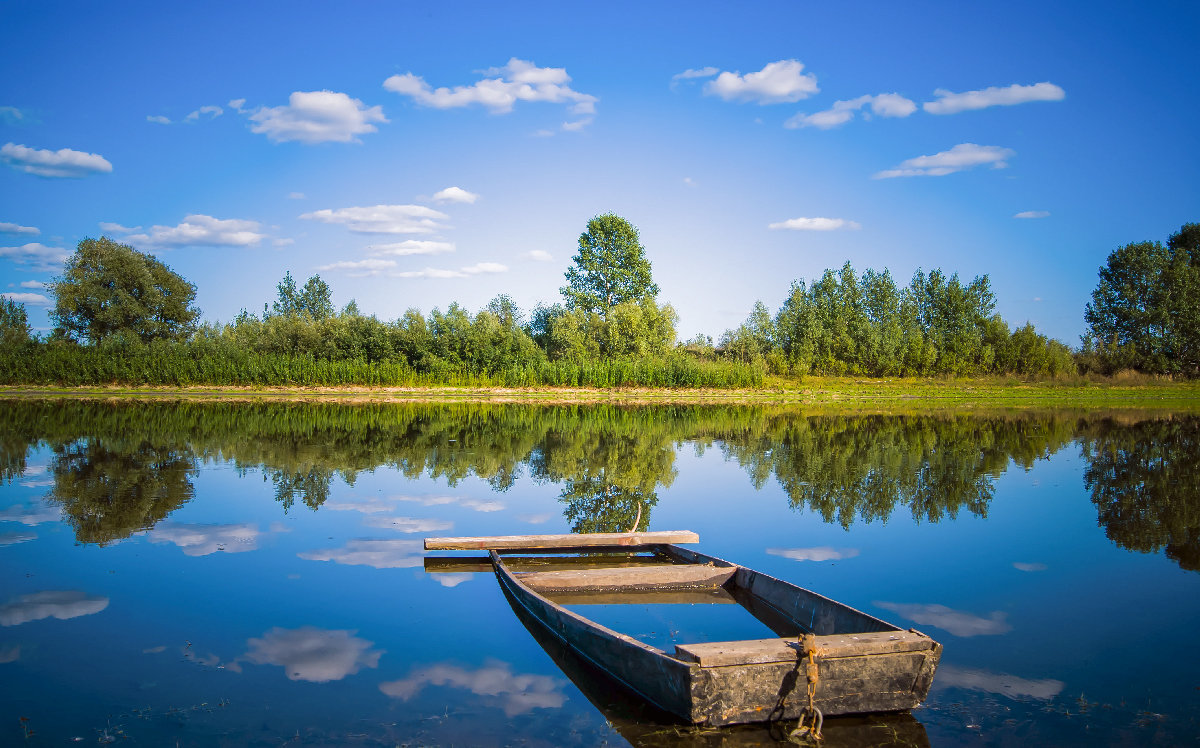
(120, 467)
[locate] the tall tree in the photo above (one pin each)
(108, 289)
(610, 268)
(314, 299)
(14, 323)
(1128, 315)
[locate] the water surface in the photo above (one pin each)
(241, 573)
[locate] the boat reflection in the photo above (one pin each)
(645, 726)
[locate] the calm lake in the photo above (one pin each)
(252, 573)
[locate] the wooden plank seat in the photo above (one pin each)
(663, 577)
(570, 540)
(757, 651)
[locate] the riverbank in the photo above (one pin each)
(837, 393)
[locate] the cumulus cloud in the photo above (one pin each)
(40, 285)
(455, 195)
(499, 91)
(11, 115)
(516, 693)
(818, 553)
(1033, 214)
(35, 256)
(13, 228)
(479, 268)
(317, 117)
(313, 654)
(211, 111)
(64, 162)
(31, 514)
(949, 676)
(60, 604)
(960, 157)
(197, 230)
(485, 267)
(383, 219)
(956, 622)
(296, 196)
(882, 105)
(815, 224)
(408, 524)
(949, 102)
(158, 119)
(237, 105)
(201, 539)
(779, 82)
(411, 247)
(109, 227)
(34, 299)
(380, 554)
(538, 255)
(13, 538)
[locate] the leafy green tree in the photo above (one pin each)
(314, 299)
(109, 289)
(14, 323)
(1127, 317)
(610, 268)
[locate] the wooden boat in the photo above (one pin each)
(863, 664)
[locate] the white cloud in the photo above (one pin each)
(883, 105)
(282, 242)
(313, 654)
(317, 117)
(212, 111)
(949, 102)
(31, 514)
(1023, 566)
(201, 231)
(949, 676)
(956, 622)
(485, 267)
(115, 228)
(35, 299)
(815, 224)
(13, 228)
(33, 284)
(691, 73)
(380, 554)
(61, 163)
(535, 519)
(819, 553)
(960, 157)
(519, 80)
(37, 257)
(237, 105)
(201, 540)
(411, 247)
(408, 524)
(455, 195)
(158, 119)
(577, 125)
(295, 196)
(778, 82)
(360, 268)
(383, 219)
(1033, 214)
(517, 693)
(11, 115)
(538, 255)
(60, 604)
(12, 538)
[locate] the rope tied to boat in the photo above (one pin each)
(811, 719)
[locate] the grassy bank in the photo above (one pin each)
(826, 393)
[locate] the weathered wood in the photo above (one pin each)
(460, 564)
(574, 540)
(703, 596)
(753, 651)
(664, 577)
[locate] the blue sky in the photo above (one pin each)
(415, 155)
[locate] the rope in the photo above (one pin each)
(811, 719)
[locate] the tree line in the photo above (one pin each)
(121, 315)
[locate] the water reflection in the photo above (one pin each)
(313, 654)
(516, 693)
(204, 539)
(380, 554)
(60, 604)
(949, 676)
(119, 468)
(819, 553)
(12, 538)
(957, 622)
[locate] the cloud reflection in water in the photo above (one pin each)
(819, 553)
(408, 524)
(956, 622)
(381, 554)
(12, 538)
(313, 654)
(60, 604)
(949, 676)
(33, 513)
(518, 693)
(201, 540)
